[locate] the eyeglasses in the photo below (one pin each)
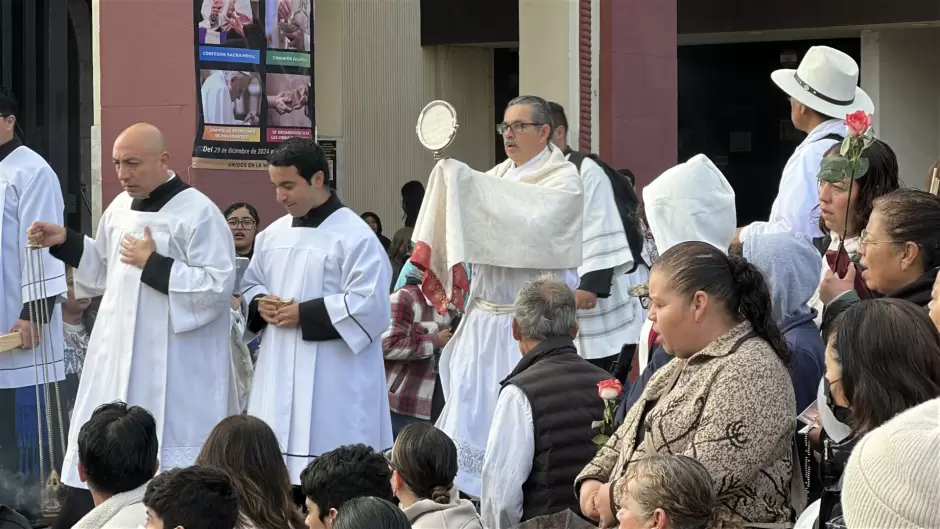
(517, 127)
(388, 459)
(641, 292)
(245, 224)
(864, 240)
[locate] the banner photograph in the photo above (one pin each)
(254, 78)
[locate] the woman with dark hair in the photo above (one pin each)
(865, 387)
(247, 449)
(412, 195)
(423, 464)
(375, 223)
(726, 399)
(900, 254)
(244, 221)
(368, 512)
(845, 208)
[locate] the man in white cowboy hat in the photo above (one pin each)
(823, 91)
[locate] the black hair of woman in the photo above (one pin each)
(412, 195)
(238, 205)
(378, 222)
(882, 178)
(369, 512)
(889, 352)
(732, 281)
(426, 460)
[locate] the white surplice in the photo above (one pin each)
(483, 352)
(169, 353)
(616, 319)
(318, 396)
(29, 192)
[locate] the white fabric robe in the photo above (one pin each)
(483, 352)
(217, 105)
(29, 192)
(616, 319)
(167, 353)
(798, 196)
(318, 396)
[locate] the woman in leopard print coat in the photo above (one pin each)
(725, 400)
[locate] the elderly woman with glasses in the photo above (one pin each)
(900, 254)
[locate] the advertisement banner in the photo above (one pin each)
(254, 79)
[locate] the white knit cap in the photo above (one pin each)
(892, 480)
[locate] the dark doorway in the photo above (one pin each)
(731, 111)
(505, 88)
(39, 62)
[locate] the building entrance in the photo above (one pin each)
(45, 58)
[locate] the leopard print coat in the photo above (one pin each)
(732, 411)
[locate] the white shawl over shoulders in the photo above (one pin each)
(482, 218)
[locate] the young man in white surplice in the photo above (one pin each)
(164, 260)
(318, 285)
(29, 191)
(519, 220)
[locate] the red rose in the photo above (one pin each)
(609, 389)
(857, 123)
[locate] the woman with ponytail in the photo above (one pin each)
(423, 464)
(725, 400)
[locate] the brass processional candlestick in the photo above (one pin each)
(43, 356)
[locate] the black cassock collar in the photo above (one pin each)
(9, 147)
(317, 215)
(160, 196)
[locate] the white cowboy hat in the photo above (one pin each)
(827, 82)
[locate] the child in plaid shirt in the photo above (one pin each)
(411, 346)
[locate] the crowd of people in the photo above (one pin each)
(536, 347)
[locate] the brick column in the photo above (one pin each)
(638, 86)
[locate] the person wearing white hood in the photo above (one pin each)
(822, 92)
(692, 201)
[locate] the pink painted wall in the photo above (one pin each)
(148, 75)
(639, 86)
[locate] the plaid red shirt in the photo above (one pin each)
(408, 346)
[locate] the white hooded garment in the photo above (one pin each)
(692, 201)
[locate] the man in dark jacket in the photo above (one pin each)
(541, 434)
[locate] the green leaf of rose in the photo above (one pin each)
(846, 145)
(600, 439)
(861, 168)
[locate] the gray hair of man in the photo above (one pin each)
(545, 308)
(676, 487)
(541, 111)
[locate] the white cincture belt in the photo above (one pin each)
(493, 308)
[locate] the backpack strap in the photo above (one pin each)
(576, 158)
(833, 136)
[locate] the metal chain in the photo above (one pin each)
(55, 370)
(42, 335)
(35, 335)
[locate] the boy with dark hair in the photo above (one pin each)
(350, 471)
(191, 498)
(117, 456)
